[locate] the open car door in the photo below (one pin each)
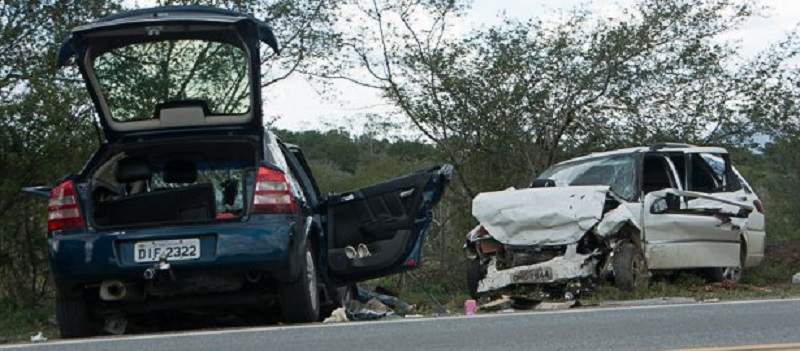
(680, 236)
(378, 230)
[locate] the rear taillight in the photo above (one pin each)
(62, 209)
(272, 195)
(758, 205)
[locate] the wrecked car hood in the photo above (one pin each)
(540, 216)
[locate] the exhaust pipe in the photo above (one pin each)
(113, 290)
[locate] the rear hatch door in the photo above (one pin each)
(171, 70)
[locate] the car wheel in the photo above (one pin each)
(630, 268)
(300, 298)
(475, 273)
(74, 318)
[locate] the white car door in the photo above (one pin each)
(754, 232)
(684, 229)
(677, 236)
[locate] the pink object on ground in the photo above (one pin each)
(470, 306)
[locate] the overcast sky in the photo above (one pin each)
(300, 106)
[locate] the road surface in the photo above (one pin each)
(620, 328)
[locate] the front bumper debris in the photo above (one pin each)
(561, 269)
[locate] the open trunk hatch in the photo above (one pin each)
(172, 68)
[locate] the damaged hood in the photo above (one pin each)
(540, 216)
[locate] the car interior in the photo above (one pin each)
(160, 184)
(371, 228)
(656, 174)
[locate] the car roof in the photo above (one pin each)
(663, 147)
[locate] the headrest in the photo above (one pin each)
(543, 183)
(133, 169)
(180, 171)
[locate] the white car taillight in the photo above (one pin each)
(758, 205)
(62, 208)
(273, 194)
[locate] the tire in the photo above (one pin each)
(474, 275)
(299, 299)
(74, 318)
(630, 268)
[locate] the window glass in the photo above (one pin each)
(135, 78)
(618, 172)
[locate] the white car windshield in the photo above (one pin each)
(618, 172)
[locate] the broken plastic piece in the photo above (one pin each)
(470, 306)
(38, 338)
(337, 316)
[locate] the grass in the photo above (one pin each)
(18, 324)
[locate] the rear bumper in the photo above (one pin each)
(86, 258)
(755, 247)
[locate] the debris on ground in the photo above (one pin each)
(337, 316)
(371, 305)
(371, 310)
(386, 297)
(38, 338)
(507, 304)
(729, 285)
(503, 303)
(470, 307)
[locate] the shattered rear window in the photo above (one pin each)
(618, 172)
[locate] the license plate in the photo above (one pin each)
(535, 275)
(173, 250)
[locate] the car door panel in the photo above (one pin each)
(693, 237)
(390, 219)
(741, 191)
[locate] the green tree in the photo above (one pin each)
(45, 129)
(505, 103)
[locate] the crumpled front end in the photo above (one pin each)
(547, 237)
(568, 268)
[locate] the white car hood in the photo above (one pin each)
(540, 216)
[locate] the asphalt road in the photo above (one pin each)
(619, 328)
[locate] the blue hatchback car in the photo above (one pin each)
(190, 202)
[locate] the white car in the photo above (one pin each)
(624, 215)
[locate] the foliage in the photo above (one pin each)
(505, 103)
(46, 133)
